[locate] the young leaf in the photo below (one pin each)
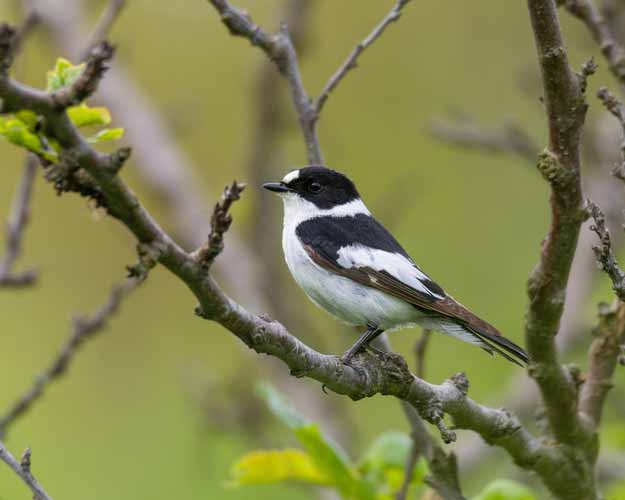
(17, 132)
(63, 74)
(280, 407)
(504, 489)
(83, 115)
(108, 134)
(383, 465)
(274, 466)
(328, 456)
(28, 117)
(388, 450)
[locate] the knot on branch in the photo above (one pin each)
(588, 68)
(220, 223)
(432, 411)
(576, 375)
(25, 460)
(149, 255)
(553, 171)
(88, 81)
(66, 176)
(117, 159)
(461, 382)
(8, 35)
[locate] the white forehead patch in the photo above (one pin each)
(291, 176)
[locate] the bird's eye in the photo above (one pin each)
(314, 187)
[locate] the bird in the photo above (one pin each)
(351, 266)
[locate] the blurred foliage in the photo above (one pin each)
(379, 475)
(125, 422)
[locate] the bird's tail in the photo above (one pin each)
(502, 346)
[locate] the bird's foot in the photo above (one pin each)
(348, 355)
(375, 350)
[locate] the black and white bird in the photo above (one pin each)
(351, 265)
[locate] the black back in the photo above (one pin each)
(324, 187)
(327, 235)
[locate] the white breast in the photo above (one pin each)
(345, 299)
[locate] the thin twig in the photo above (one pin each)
(103, 26)
(508, 138)
(87, 83)
(604, 253)
(616, 108)
(83, 329)
(442, 478)
(420, 349)
(30, 22)
(352, 60)
(591, 16)
(220, 223)
(22, 469)
(279, 48)
(15, 229)
(603, 357)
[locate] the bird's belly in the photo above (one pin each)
(345, 299)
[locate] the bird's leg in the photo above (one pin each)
(362, 343)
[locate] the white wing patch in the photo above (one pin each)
(291, 176)
(395, 264)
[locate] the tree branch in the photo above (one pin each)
(420, 349)
(590, 15)
(279, 48)
(603, 358)
(83, 329)
(560, 165)
(386, 374)
(15, 230)
(30, 22)
(87, 82)
(604, 254)
(352, 60)
(220, 223)
(101, 30)
(508, 138)
(22, 469)
(616, 108)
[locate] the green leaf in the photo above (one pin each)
(275, 466)
(383, 465)
(28, 117)
(504, 489)
(328, 456)
(63, 74)
(390, 449)
(18, 133)
(83, 115)
(108, 134)
(280, 407)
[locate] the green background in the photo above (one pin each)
(140, 415)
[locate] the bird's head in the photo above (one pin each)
(323, 187)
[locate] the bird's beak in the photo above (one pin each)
(277, 187)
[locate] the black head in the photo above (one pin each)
(324, 187)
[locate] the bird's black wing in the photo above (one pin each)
(360, 248)
(359, 242)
